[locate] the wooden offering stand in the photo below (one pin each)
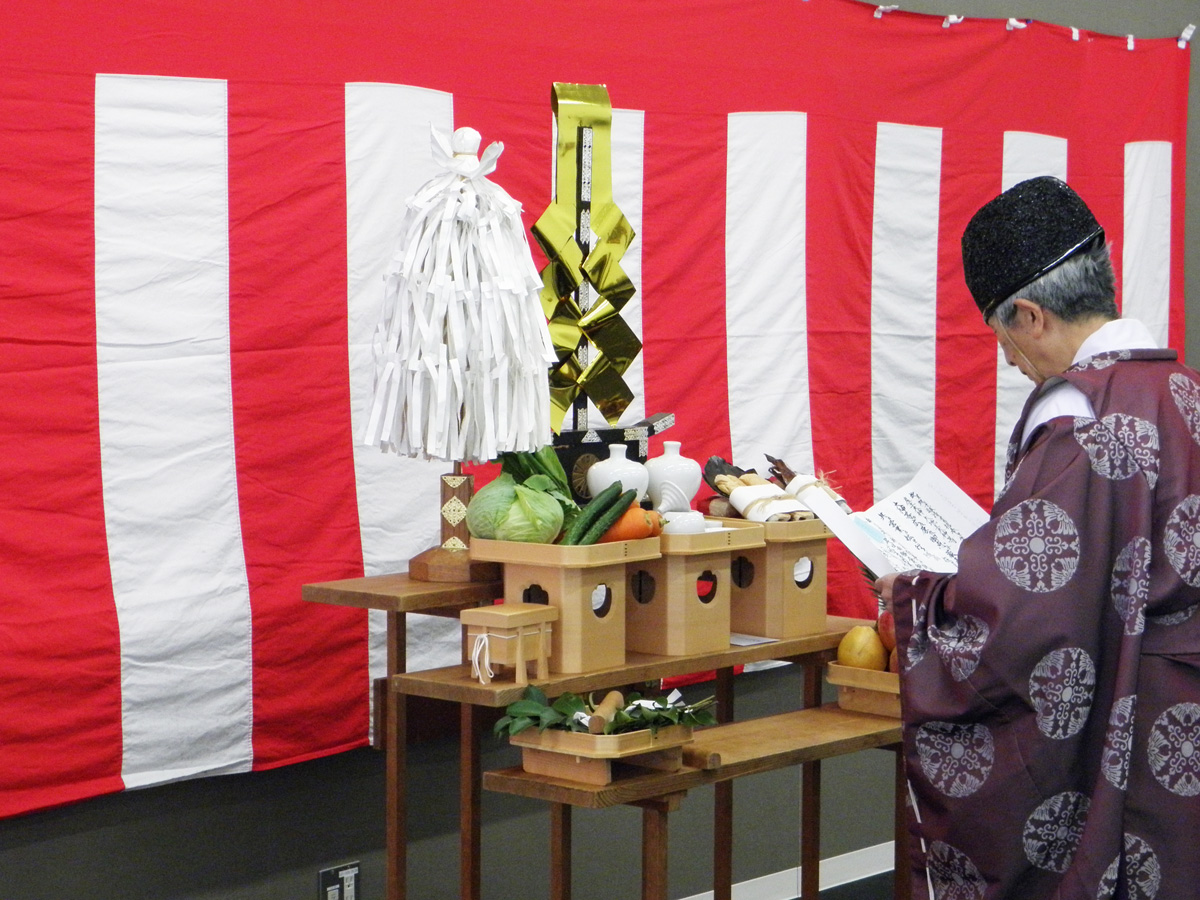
(715, 757)
(511, 634)
(778, 590)
(680, 602)
(586, 584)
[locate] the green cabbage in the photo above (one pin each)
(535, 517)
(489, 507)
(506, 511)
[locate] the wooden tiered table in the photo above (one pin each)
(717, 756)
(397, 595)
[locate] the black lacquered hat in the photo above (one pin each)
(1021, 235)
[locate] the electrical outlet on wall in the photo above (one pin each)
(338, 882)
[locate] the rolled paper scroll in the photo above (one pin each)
(805, 480)
(765, 503)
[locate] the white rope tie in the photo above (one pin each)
(481, 651)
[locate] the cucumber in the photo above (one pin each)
(590, 512)
(610, 515)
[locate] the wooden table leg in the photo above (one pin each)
(810, 803)
(654, 843)
(470, 792)
(810, 831)
(560, 851)
(395, 742)
(723, 801)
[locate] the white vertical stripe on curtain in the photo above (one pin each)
(766, 304)
(628, 152)
(904, 250)
(166, 426)
(388, 156)
(1026, 155)
(1146, 254)
(627, 142)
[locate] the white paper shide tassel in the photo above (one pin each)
(462, 347)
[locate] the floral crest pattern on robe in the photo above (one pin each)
(1051, 689)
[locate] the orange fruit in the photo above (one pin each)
(862, 649)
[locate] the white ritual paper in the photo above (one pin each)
(919, 526)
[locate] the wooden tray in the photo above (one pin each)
(603, 746)
(565, 554)
(866, 690)
(734, 534)
(590, 758)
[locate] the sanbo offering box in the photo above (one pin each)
(587, 586)
(779, 590)
(679, 603)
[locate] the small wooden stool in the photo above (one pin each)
(512, 634)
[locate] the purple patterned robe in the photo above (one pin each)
(1051, 690)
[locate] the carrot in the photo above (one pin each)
(635, 523)
(657, 523)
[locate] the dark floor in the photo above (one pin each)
(876, 888)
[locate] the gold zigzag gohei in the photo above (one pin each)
(595, 346)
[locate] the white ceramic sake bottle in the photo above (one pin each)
(618, 467)
(674, 479)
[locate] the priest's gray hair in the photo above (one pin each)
(1081, 287)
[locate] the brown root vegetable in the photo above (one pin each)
(605, 711)
(753, 478)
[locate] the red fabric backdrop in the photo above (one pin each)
(94, 701)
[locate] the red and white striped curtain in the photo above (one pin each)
(197, 202)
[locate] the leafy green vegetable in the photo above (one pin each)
(543, 483)
(524, 467)
(506, 511)
(534, 517)
(570, 712)
(489, 507)
(543, 461)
